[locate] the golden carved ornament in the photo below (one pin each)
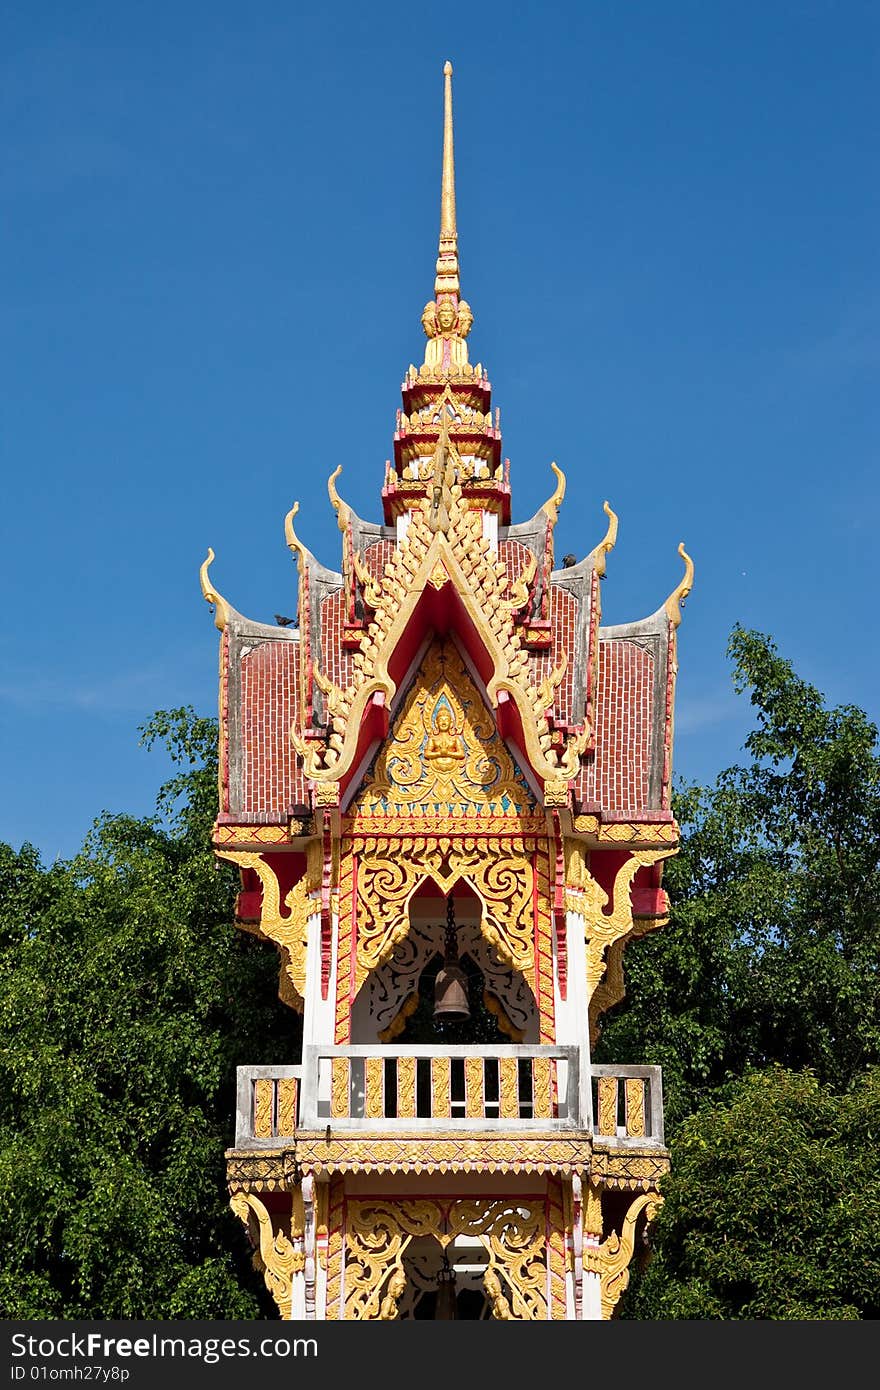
(221, 607)
(466, 556)
(611, 1259)
(628, 1169)
(342, 509)
(444, 747)
(600, 554)
(551, 683)
(514, 1233)
(240, 835)
(414, 1152)
(371, 591)
(275, 1256)
(290, 933)
(377, 1235)
(521, 587)
(500, 872)
(552, 505)
(680, 593)
(602, 929)
(640, 833)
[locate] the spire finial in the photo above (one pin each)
(448, 234)
(447, 318)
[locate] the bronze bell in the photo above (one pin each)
(450, 986)
(445, 1308)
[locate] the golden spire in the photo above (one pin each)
(447, 318)
(447, 260)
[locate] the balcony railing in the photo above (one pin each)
(443, 1088)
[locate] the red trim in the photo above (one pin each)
(326, 918)
(559, 918)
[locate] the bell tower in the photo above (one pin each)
(447, 791)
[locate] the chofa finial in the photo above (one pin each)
(294, 543)
(600, 554)
(210, 594)
(679, 594)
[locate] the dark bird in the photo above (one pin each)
(282, 621)
(569, 560)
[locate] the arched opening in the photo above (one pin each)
(396, 1003)
(465, 1267)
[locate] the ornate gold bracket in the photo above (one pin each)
(290, 933)
(611, 1259)
(275, 1255)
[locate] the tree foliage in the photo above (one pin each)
(770, 1210)
(762, 997)
(126, 1001)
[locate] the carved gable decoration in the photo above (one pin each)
(444, 754)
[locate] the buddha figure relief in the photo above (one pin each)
(445, 750)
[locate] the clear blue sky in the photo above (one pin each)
(219, 231)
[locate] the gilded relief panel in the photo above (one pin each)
(445, 802)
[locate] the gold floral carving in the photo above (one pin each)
(592, 1211)
(473, 1087)
(377, 1235)
(482, 583)
(444, 748)
(603, 930)
(240, 835)
(263, 1099)
(635, 1107)
(275, 1255)
(413, 1152)
(640, 833)
(514, 1233)
(508, 1088)
(557, 1226)
(335, 1216)
(441, 1104)
(626, 1170)
(499, 870)
(290, 933)
(611, 1259)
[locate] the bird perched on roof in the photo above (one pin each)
(282, 621)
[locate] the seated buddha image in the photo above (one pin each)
(445, 749)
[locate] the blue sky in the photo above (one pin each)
(218, 233)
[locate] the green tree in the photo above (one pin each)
(126, 1001)
(761, 1001)
(772, 951)
(770, 1210)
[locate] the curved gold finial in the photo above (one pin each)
(342, 509)
(552, 505)
(678, 596)
(294, 543)
(221, 607)
(599, 555)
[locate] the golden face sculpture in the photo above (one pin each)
(446, 315)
